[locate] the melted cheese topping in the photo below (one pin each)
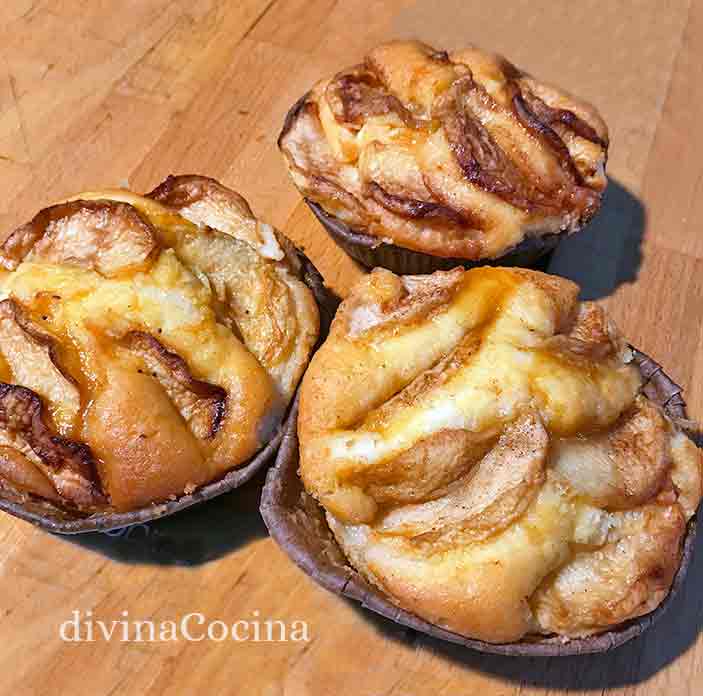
(474, 434)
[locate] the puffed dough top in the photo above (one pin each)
(451, 154)
(147, 344)
(485, 455)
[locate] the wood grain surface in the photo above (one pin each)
(114, 92)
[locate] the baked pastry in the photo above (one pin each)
(492, 459)
(420, 159)
(148, 346)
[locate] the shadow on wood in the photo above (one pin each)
(202, 533)
(607, 253)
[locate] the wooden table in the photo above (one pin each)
(107, 92)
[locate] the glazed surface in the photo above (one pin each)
(485, 456)
(458, 155)
(148, 344)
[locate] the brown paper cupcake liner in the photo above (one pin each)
(370, 251)
(53, 518)
(298, 525)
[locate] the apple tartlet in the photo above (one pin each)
(148, 346)
(419, 159)
(488, 459)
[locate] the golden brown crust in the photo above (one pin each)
(479, 442)
(459, 155)
(145, 352)
(627, 576)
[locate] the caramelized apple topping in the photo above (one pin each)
(357, 94)
(104, 236)
(429, 150)
(201, 404)
(146, 347)
(486, 455)
(69, 465)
